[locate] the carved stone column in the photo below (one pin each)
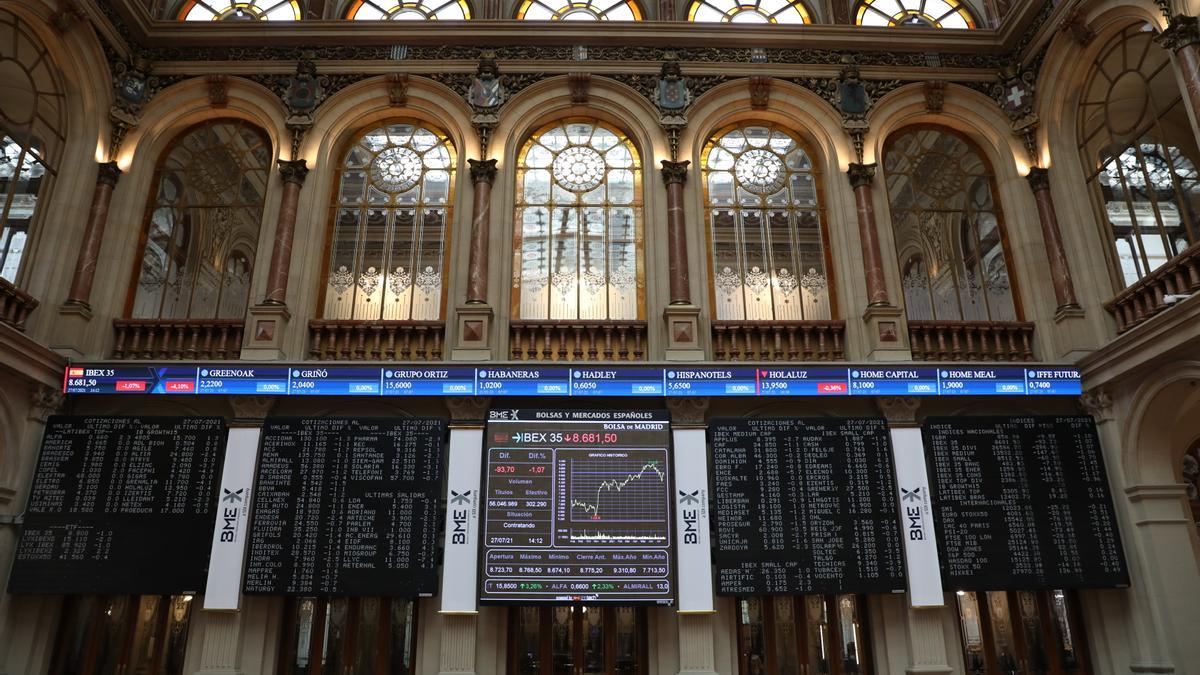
(483, 175)
(682, 316)
(1056, 255)
(474, 321)
(93, 235)
(293, 173)
(674, 175)
(1182, 37)
(861, 176)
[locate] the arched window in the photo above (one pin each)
(578, 224)
(770, 259)
(240, 10)
(926, 13)
(391, 211)
(203, 222)
(1141, 153)
(762, 11)
(579, 10)
(948, 227)
(381, 10)
(32, 129)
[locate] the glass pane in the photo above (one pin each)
(850, 629)
(818, 635)
(1037, 660)
(972, 633)
(400, 640)
(751, 636)
(1064, 635)
(179, 619)
(1003, 641)
(562, 640)
(787, 654)
(146, 634)
(626, 640)
(333, 655)
(77, 629)
(117, 619)
(593, 640)
(305, 619)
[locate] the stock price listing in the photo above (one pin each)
(578, 507)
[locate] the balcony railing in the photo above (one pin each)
(577, 340)
(357, 340)
(15, 305)
(779, 340)
(1179, 276)
(200, 339)
(971, 340)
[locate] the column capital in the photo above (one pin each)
(1182, 31)
(293, 171)
(1039, 179)
(674, 172)
(109, 173)
(482, 170)
(861, 175)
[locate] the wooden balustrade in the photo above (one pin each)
(199, 339)
(1179, 276)
(779, 340)
(577, 340)
(971, 340)
(15, 305)
(358, 340)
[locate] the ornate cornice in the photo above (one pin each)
(1182, 31)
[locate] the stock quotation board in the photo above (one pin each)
(121, 505)
(346, 507)
(805, 506)
(578, 507)
(1022, 503)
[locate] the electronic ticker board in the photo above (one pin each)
(121, 505)
(1022, 503)
(577, 508)
(805, 506)
(346, 507)
(561, 381)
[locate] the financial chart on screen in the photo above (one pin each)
(577, 507)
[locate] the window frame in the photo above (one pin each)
(1014, 284)
(333, 204)
(152, 202)
(546, 647)
(1047, 629)
(866, 651)
(958, 7)
(289, 638)
(253, 6)
(568, 6)
(804, 145)
(419, 5)
(798, 6)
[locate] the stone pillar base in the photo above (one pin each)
(887, 334)
(264, 333)
(472, 335)
(683, 333)
(696, 652)
(1074, 337)
(71, 330)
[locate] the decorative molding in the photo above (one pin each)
(218, 90)
(468, 408)
(1075, 24)
(578, 83)
(108, 173)
(397, 88)
(899, 410)
(293, 171)
(688, 410)
(1039, 179)
(1182, 31)
(44, 401)
(760, 91)
(482, 170)
(674, 172)
(1098, 403)
(251, 407)
(861, 175)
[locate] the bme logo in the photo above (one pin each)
(689, 497)
(912, 513)
(913, 495)
(691, 516)
(457, 498)
(232, 497)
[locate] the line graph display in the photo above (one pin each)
(577, 507)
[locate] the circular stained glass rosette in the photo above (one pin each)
(396, 170)
(579, 169)
(760, 171)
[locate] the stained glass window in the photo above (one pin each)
(760, 11)
(948, 228)
(766, 223)
(381, 10)
(579, 10)
(32, 128)
(578, 218)
(1141, 154)
(240, 10)
(202, 227)
(390, 216)
(926, 13)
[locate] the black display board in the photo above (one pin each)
(805, 506)
(578, 507)
(346, 507)
(121, 505)
(1022, 503)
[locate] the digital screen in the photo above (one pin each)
(577, 508)
(558, 381)
(805, 506)
(1022, 503)
(121, 505)
(346, 507)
